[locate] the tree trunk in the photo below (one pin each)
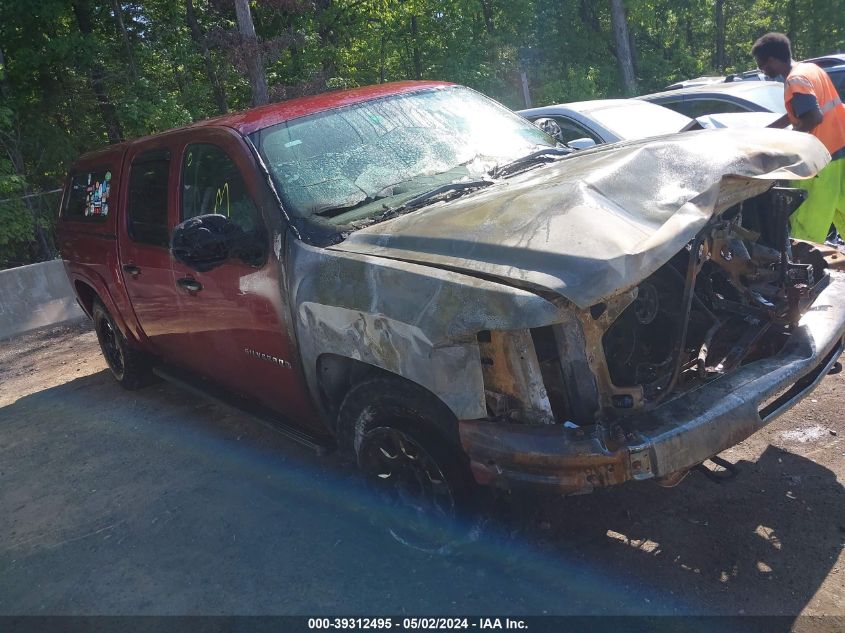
(4, 88)
(381, 58)
(251, 51)
(118, 15)
(632, 43)
(487, 11)
(82, 11)
(623, 48)
(719, 19)
(199, 40)
(415, 43)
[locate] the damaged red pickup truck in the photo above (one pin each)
(416, 274)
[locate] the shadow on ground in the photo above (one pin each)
(158, 502)
(762, 543)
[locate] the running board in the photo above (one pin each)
(267, 418)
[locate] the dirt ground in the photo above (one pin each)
(160, 502)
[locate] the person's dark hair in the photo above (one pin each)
(773, 45)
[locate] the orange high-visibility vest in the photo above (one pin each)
(811, 80)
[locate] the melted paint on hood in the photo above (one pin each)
(596, 223)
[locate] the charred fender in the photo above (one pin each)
(414, 321)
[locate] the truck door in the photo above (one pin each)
(144, 245)
(236, 311)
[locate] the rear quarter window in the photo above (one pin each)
(89, 194)
(837, 76)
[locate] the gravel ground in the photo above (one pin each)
(160, 502)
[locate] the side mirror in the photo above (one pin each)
(550, 127)
(581, 143)
(205, 242)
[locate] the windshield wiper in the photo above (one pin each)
(443, 192)
(545, 155)
(335, 211)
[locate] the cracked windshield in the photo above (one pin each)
(355, 165)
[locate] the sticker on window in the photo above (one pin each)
(89, 194)
(97, 201)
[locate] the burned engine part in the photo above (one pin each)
(821, 256)
(638, 346)
(728, 298)
(647, 303)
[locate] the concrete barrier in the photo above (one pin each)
(35, 296)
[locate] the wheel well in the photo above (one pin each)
(86, 295)
(337, 374)
(396, 397)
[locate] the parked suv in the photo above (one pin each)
(721, 98)
(416, 274)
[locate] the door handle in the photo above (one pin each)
(132, 269)
(191, 285)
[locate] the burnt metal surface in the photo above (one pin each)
(598, 222)
(678, 434)
(414, 321)
(510, 368)
(696, 259)
(550, 457)
(597, 384)
(834, 259)
(704, 422)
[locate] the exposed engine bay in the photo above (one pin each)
(730, 297)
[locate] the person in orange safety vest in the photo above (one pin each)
(813, 106)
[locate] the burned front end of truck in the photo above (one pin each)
(737, 326)
(621, 313)
(733, 330)
(731, 296)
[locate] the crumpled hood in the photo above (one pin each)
(599, 222)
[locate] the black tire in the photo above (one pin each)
(405, 442)
(130, 367)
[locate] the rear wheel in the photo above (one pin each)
(130, 367)
(405, 443)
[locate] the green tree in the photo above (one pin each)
(75, 74)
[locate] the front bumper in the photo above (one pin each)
(675, 436)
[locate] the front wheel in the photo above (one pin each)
(401, 438)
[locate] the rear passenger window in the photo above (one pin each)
(88, 196)
(676, 105)
(212, 183)
(699, 107)
(147, 205)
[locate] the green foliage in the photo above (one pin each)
(157, 75)
(16, 225)
(15, 222)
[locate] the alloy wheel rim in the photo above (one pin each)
(405, 476)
